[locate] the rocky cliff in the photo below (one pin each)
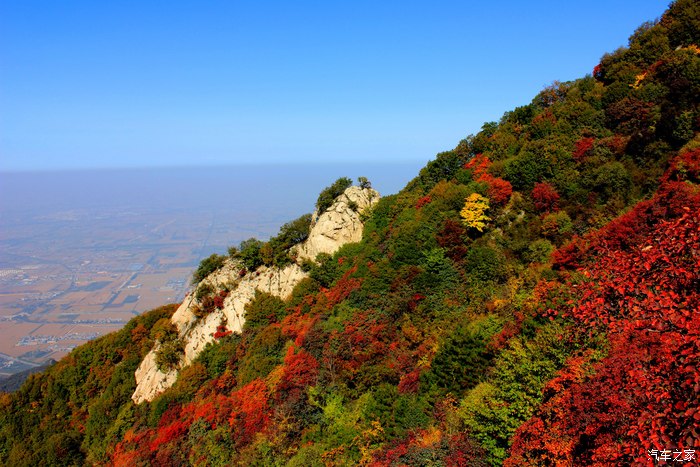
(341, 223)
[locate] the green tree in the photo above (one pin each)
(527, 169)
(462, 360)
(294, 232)
(168, 354)
(250, 253)
(263, 310)
(330, 193)
(484, 263)
(207, 266)
(445, 166)
(276, 251)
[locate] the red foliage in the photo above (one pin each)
(617, 144)
(221, 332)
(219, 299)
(592, 420)
(246, 410)
(410, 382)
(512, 328)
(171, 426)
(643, 290)
(499, 190)
(168, 433)
(545, 197)
(415, 300)
(546, 118)
(131, 449)
(478, 165)
(224, 383)
(393, 454)
(251, 411)
(671, 200)
(645, 281)
(423, 201)
(583, 148)
(451, 237)
(365, 340)
(342, 288)
(630, 115)
(464, 452)
(296, 326)
(139, 334)
(300, 371)
(372, 346)
(598, 72)
(453, 451)
(685, 167)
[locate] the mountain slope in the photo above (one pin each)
(530, 298)
(218, 305)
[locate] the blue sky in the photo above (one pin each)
(89, 84)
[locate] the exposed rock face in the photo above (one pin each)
(275, 281)
(338, 225)
(150, 380)
(196, 333)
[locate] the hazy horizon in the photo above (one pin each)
(81, 252)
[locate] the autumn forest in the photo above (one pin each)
(530, 298)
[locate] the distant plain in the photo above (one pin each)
(81, 252)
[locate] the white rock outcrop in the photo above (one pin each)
(338, 225)
(151, 381)
(275, 281)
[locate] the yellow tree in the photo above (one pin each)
(473, 212)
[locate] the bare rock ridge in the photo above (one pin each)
(341, 223)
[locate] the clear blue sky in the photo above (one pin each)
(92, 84)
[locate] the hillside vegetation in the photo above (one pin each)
(530, 298)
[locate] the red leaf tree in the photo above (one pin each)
(499, 190)
(545, 197)
(644, 293)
